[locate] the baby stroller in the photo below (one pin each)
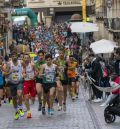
(112, 110)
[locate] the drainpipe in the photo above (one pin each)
(84, 10)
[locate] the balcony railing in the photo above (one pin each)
(113, 24)
(14, 3)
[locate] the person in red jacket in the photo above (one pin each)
(114, 94)
(116, 80)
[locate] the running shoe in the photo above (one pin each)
(40, 107)
(73, 98)
(21, 112)
(11, 102)
(77, 96)
(59, 108)
(24, 108)
(64, 107)
(29, 115)
(43, 111)
(5, 101)
(16, 115)
(51, 111)
(56, 100)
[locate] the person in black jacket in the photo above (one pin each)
(117, 62)
(96, 73)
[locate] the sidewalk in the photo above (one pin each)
(77, 116)
(98, 113)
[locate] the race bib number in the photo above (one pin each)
(31, 76)
(49, 78)
(15, 77)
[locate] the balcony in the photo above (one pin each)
(3, 23)
(113, 24)
(100, 12)
(14, 3)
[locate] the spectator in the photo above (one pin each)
(96, 73)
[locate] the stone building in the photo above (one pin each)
(108, 19)
(58, 10)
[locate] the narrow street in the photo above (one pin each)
(77, 116)
(80, 114)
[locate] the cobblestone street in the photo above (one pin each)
(77, 116)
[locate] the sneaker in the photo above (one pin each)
(51, 111)
(5, 101)
(64, 107)
(29, 115)
(73, 98)
(40, 107)
(56, 100)
(77, 96)
(16, 115)
(97, 100)
(21, 112)
(103, 105)
(24, 108)
(43, 111)
(11, 102)
(59, 108)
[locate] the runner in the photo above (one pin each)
(1, 80)
(29, 82)
(41, 61)
(77, 83)
(15, 81)
(62, 64)
(72, 65)
(48, 71)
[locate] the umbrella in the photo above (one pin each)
(103, 46)
(83, 27)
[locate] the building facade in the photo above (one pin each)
(58, 9)
(5, 26)
(3, 29)
(108, 19)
